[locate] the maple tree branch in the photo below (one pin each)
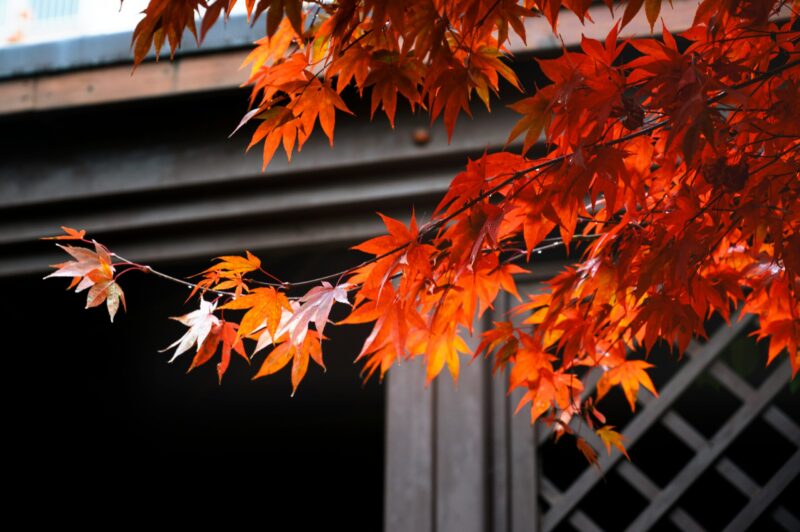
(486, 15)
(554, 243)
(276, 279)
(144, 268)
(761, 77)
(148, 269)
(759, 34)
(436, 224)
(355, 41)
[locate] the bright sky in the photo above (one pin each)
(34, 21)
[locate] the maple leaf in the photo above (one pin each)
(477, 178)
(353, 65)
(71, 234)
(400, 250)
(86, 261)
(104, 289)
(610, 437)
(200, 323)
(266, 337)
(299, 353)
(164, 20)
(484, 283)
(271, 49)
(315, 306)
(279, 126)
(291, 9)
(449, 91)
(537, 115)
(442, 348)
(230, 343)
(652, 9)
(391, 74)
(397, 238)
(390, 335)
(587, 451)
(223, 332)
(546, 388)
(783, 334)
(228, 273)
(264, 306)
(629, 374)
(233, 264)
(321, 102)
(92, 270)
(500, 340)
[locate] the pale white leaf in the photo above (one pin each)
(314, 306)
(200, 322)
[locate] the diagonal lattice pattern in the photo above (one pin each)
(709, 454)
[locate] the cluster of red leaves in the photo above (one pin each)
(433, 53)
(675, 172)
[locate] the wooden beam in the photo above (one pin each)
(409, 496)
(786, 519)
(763, 498)
(461, 487)
(119, 83)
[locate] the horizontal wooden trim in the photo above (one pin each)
(178, 157)
(119, 83)
(220, 70)
(105, 215)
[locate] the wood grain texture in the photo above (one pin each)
(461, 447)
(523, 451)
(409, 457)
(119, 83)
(500, 465)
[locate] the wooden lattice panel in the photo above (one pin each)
(708, 453)
(460, 460)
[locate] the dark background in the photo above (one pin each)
(93, 404)
(95, 417)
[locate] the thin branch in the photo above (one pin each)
(147, 269)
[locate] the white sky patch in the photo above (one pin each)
(38, 21)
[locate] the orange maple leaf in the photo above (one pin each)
(264, 309)
(587, 451)
(71, 234)
(309, 347)
(223, 332)
(629, 374)
(610, 437)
